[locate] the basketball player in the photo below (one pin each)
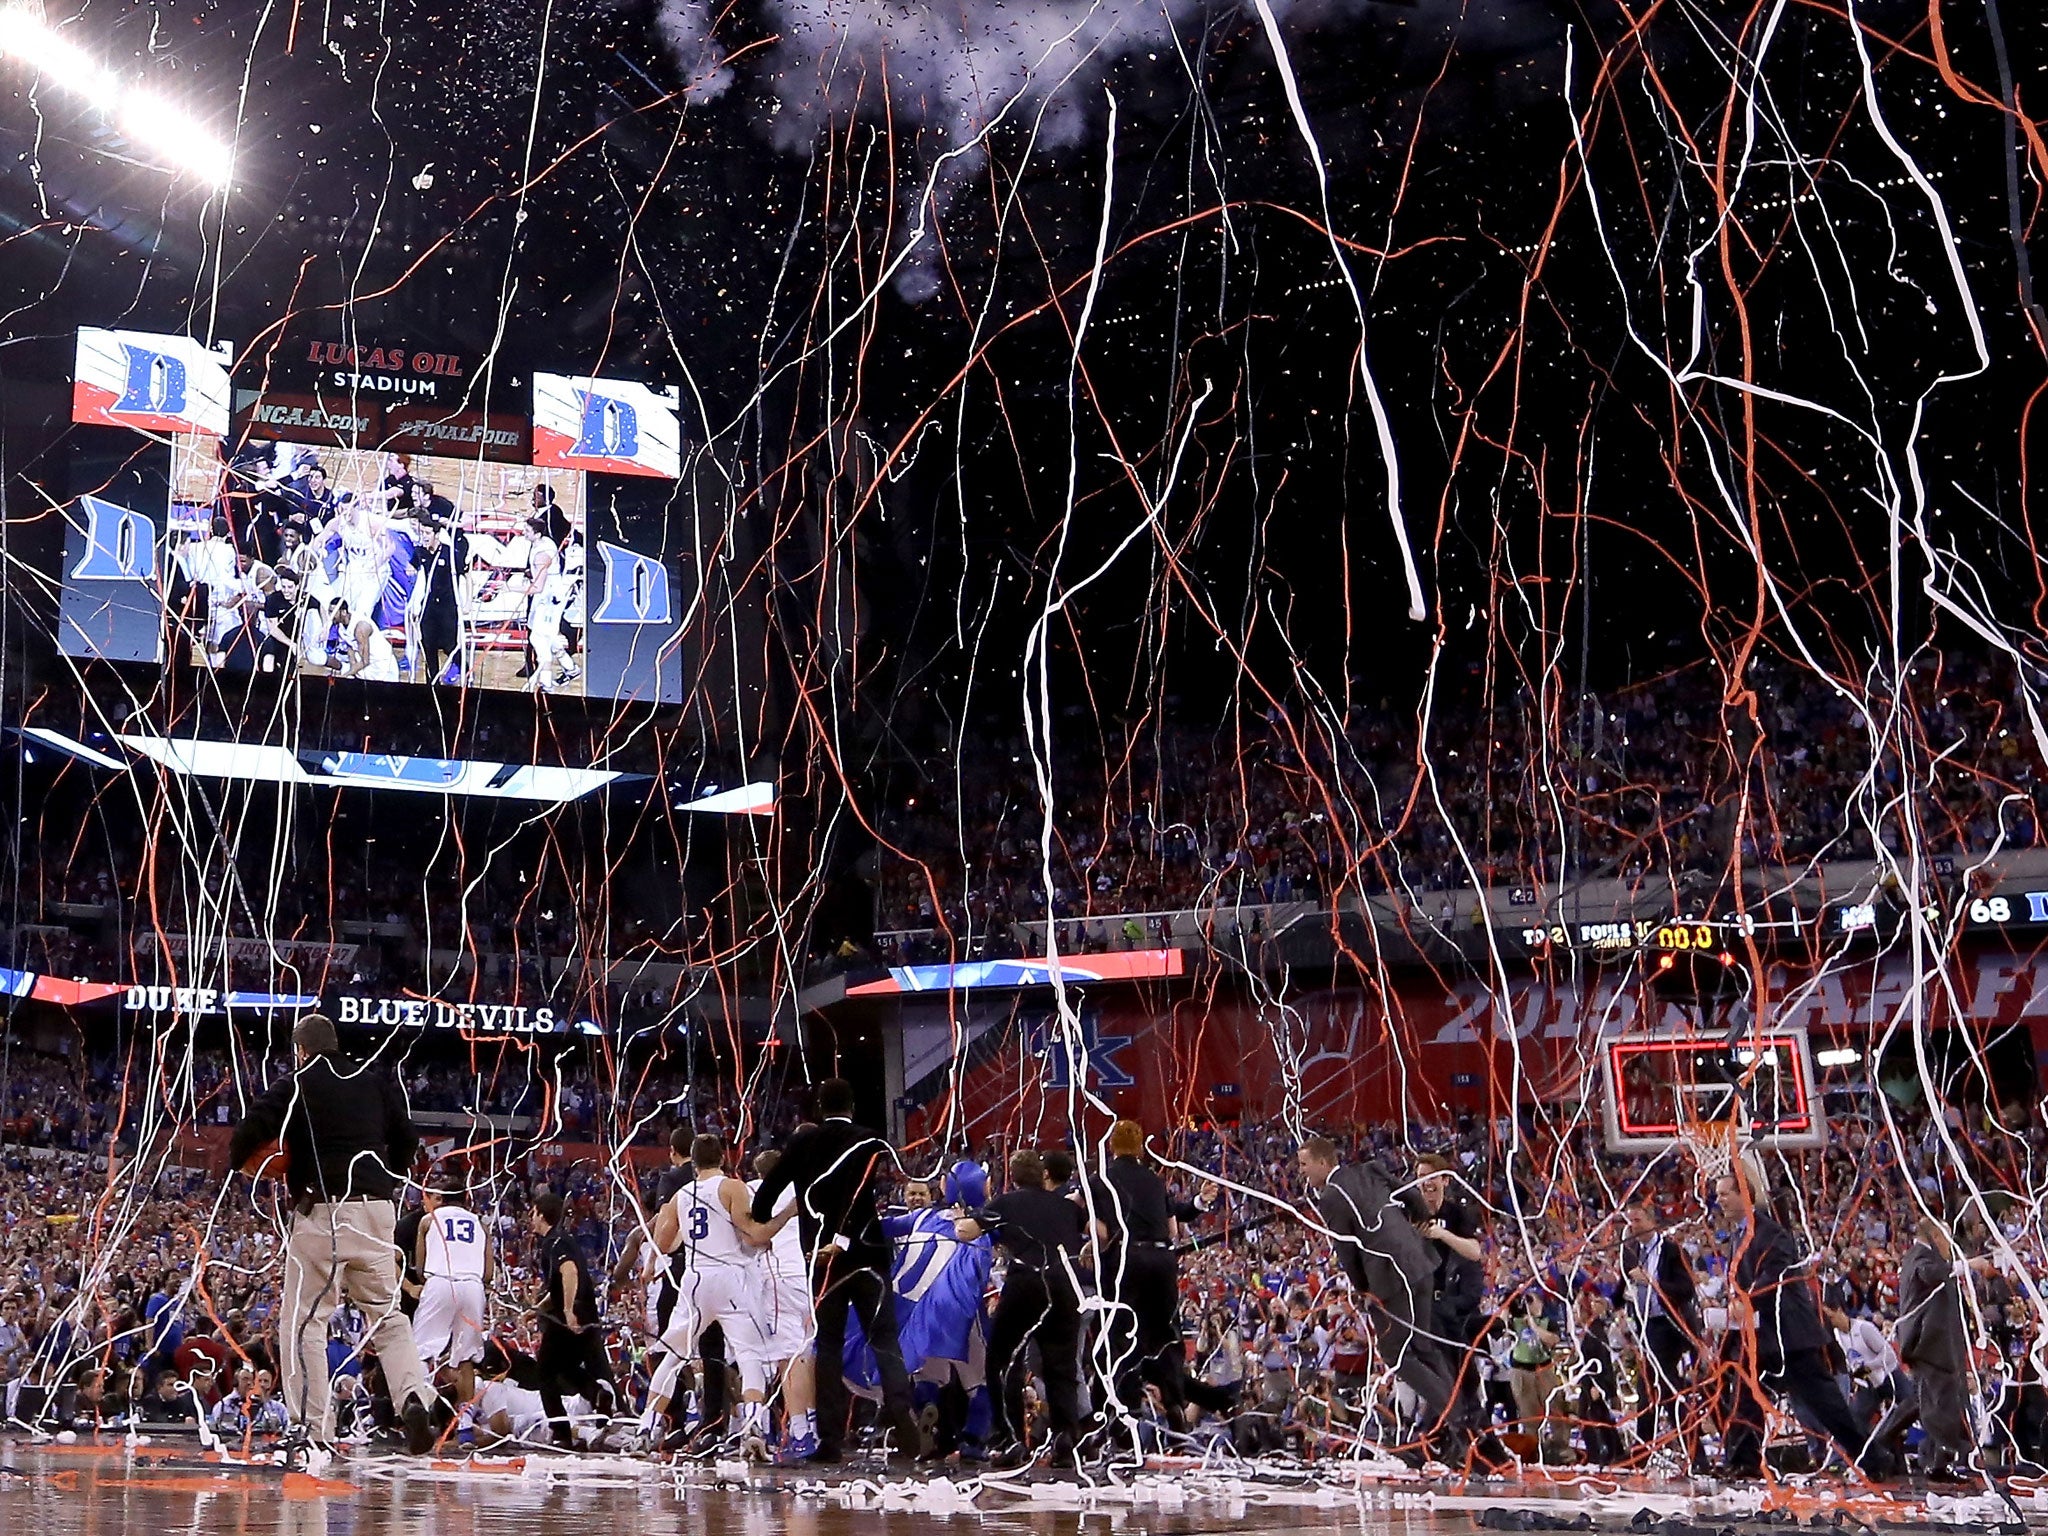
(706, 1230)
(542, 555)
(370, 654)
(775, 1339)
(556, 589)
(509, 1408)
(640, 1259)
(454, 1255)
(364, 550)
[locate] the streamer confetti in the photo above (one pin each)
(1277, 570)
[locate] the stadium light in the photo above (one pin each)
(25, 36)
(176, 134)
(1841, 1056)
(143, 116)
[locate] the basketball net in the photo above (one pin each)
(1713, 1144)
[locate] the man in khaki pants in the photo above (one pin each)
(347, 1140)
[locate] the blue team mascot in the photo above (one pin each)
(941, 1287)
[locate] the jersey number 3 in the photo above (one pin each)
(700, 1223)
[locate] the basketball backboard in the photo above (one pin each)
(1657, 1087)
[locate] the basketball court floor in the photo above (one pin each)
(109, 1488)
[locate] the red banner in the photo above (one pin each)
(1425, 1051)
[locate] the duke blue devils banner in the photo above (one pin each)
(150, 383)
(631, 650)
(111, 606)
(606, 426)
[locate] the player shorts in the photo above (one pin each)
(449, 1324)
(707, 1294)
(780, 1326)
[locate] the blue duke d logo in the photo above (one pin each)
(635, 588)
(119, 545)
(155, 383)
(611, 428)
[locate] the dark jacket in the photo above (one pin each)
(346, 1131)
(440, 567)
(1672, 1280)
(1770, 1269)
(1460, 1282)
(1596, 1374)
(1376, 1242)
(1132, 1201)
(1932, 1335)
(832, 1168)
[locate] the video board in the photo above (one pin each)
(306, 533)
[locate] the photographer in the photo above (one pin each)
(1532, 1359)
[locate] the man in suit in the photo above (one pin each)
(440, 556)
(1779, 1345)
(1387, 1260)
(1663, 1304)
(832, 1167)
(1139, 1274)
(1933, 1339)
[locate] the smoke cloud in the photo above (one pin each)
(948, 68)
(953, 66)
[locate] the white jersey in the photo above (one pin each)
(380, 661)
(708, 1239)
(365, 564)
(785, 1257)
(574, 561)
(781, 1323)
(211, 563)
(653, 1271)
(542, 564)
(1869, 1353)
(564, 579)
(455, 1244)
(526, 1415)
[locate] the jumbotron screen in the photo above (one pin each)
(388, 566)
(238, 544)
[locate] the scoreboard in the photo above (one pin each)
(1668, 935)
(2009, 909)
(1697, 937)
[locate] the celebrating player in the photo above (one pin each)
(773, 1340)
(454, 1256)
(707, 1231)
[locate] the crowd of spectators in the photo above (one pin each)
(1269, 1312)
(100, 1296)
(104, 1103)
(1528, 793)
(1511, 789)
